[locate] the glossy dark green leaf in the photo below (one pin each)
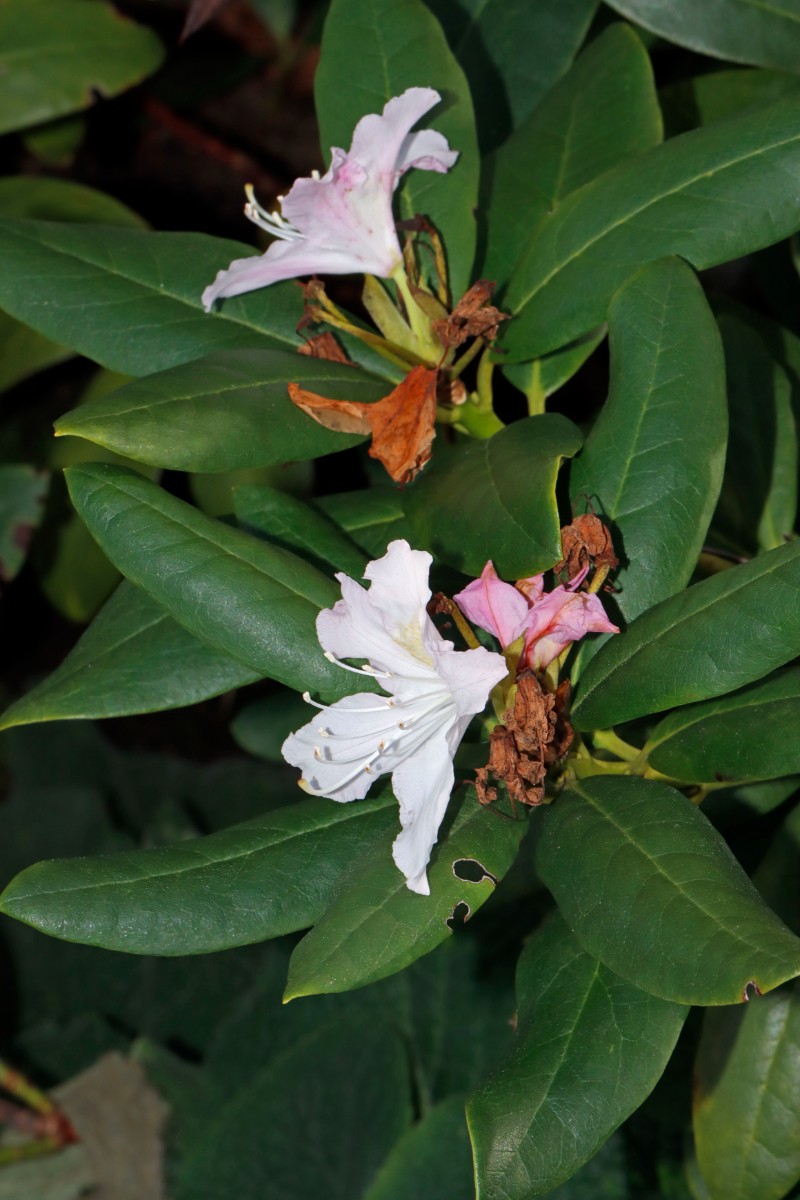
(133, 658)
(257, 880)
(648, 886)
(716, 95)
(545, 375)
(652, 206)
(290, 522)
(603, 110)
(495, 499)
(255, 602)
(589, 1049)
(45, 199)
(433, 1158)
(222, 412)
(376, 926)
(758, 502)
(492, 40)
(263, 726)
(372, 518)
(22, 494)
(87, 287)
(746, 1097)
(57, 56)
(748, 32)
(746, 736)
(650, 465)
(346, 1086)
(714, 637)
(399, 44)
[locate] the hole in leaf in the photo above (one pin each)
(459, 916)
(750, 990)
(471, 871)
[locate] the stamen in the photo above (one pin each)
(367, 670)
(273, 222)
(388, 702)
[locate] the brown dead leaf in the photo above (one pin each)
(535, 735)
(584, 543)
(472, 317)
(325, 345)
(401, 424)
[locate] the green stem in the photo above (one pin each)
(537, 401)
(606, 739)
(417, 320)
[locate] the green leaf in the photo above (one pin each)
(376, 926)
(492, 40)
(255, 602)
(651, 206)
(23, 352)
(758, 503)
(262, 727)
(545, 375)
(603, 110)
(133, 658)
(263, 878)
(22, 494)
(746, 31)
(57, 55)
(646, 465)
(433, 1158)
(222, 412)
(399, 44)
(495, 498)
(372, 518)
(347, 1082)
(720, 94)
(716, 636)
(744, 737)
(45, 199)
(648, 886)
(747, 1098)
(589, 1045)
(87, 286)
(289, 522)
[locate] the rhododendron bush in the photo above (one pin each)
(462, 491)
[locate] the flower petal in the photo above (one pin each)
(470, 675)
(379, 140)
(496, 606)
(426, 150)
(335, 748)
(422, 785)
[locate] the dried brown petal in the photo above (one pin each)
(472, 317)
(325, 345)
(584, 543)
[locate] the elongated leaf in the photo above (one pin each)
(746, 736)
(372, 518)
(23, 352)
(545, 375)
(399, 44)
(46, 199)
(648, 886)
(347, 1081)
(255, 602)
(647, 464)
(376, 926)
(263, 726)
(22, 494)
(495, 499)
(719, 94)
(492, 40)
(652, 206)
(133, 658)
(603, 110)
(222, 412)
(433, 1159)
(715, 637)
(87, 287)
(43, 76)
(289, 522)
(745, 31)
(570, 1005)
(257, 880)
(758, 503)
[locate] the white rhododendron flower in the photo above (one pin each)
(413, 732)
(343, 223)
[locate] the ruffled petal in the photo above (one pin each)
(378, 139)
(470, 676)
(426, 150)
(399, 584)
(341, 751)
(422, 785)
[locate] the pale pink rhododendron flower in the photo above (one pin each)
(550, 621)
(414, 731)
(342, 223)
